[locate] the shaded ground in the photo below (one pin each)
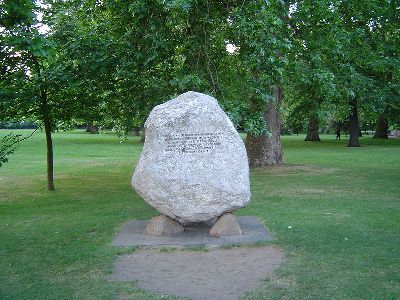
(216, 274)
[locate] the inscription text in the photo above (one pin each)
(193, 142)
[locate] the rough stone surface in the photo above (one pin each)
(225, 225)
(163, 225)
(194, 165)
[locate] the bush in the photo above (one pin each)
(18, 125)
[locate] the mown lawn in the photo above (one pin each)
(335, 211)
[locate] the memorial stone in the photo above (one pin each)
(194, 165)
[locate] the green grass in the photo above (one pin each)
(335, 211)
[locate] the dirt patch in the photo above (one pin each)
(216, 274)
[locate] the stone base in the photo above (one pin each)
(132, 233)
(226, 225)
(163, 225)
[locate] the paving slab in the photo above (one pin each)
(132, 234)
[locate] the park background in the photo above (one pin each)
(284, 71)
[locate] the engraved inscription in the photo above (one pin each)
(193, 142)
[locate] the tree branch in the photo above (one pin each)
(27, 137)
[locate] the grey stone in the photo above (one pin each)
(225, 225)
(194, 165)
(132, 234)
(163, 225)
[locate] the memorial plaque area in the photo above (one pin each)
(193, 142)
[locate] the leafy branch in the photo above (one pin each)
(9, 144)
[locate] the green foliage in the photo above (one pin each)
(111, 62)
(258, 28)
(14, 12)
(341, 51)
(8, 145)
(255, 125)
(35, 81)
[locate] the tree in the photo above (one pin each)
(113, 61)
(343, 59)
(366, 59)
(382, 127)
(260, 32)
(131, 64)
(34, 81)
(165, 49)
(24, 52)
(311, 83)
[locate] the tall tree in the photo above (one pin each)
(382, 127)
(260, 32)
(34, 82)
(365, 58)
(310, 81)
(126, 57)
(24, 58)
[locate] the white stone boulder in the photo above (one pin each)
(194, 165)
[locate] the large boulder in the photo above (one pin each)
(194, 165)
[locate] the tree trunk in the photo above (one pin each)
(312, 131)
(354, 126)
(382, 128)
(266, 150)
(143, 138)
(135, 131)
(45, 112)
(49, 144)
(92, 128)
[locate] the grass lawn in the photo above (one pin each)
(335, 211)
